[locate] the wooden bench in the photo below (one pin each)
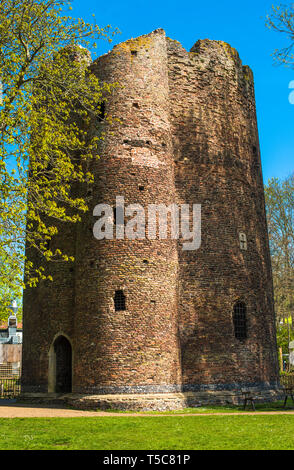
(288, 392)
(248, 397)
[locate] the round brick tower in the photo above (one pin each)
(144, 316)
(132, 346)
(226, 311)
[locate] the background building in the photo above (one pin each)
(10, 349)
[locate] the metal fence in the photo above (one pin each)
(9, 380)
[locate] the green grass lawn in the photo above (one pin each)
(252, 432)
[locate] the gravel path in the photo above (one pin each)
(38, 411)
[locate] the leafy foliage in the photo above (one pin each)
(280, 215)
(284, 334)
(281, 20)
(49, 100)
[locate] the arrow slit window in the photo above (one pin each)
(119, 301)
(240, 321)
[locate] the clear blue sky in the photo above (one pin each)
(242, 25)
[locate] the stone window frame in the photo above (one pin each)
(243, 241)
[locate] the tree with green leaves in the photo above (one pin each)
(279, 196)
(281, 20)
(280, 201)
(49, 99)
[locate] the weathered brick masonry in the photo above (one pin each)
(187, 134)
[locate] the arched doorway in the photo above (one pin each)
(63, 365)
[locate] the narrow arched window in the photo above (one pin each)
(119, 300)
(243, 241)
(239, 319)
(101, 112)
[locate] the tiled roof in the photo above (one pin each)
(4, 325)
